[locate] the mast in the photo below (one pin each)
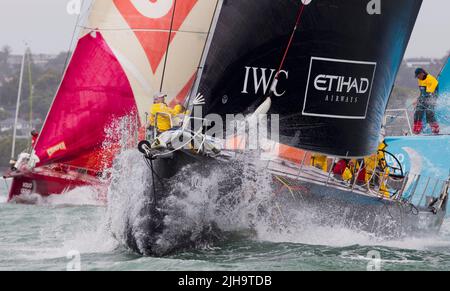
(31, 88)
(168, 46)
(13, 149)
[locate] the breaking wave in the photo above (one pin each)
(202, 210)
(443, 113)
(238, 199)
(81, 196)
(199, 210)
(311, 233)
(4, 189)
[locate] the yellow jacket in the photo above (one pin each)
(347, 175)
(164, 123)
(371, 164)
(430, 84)
(319, 161)
(373, 161)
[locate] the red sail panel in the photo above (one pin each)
(95, 91)
(152, 29)
(138, 32)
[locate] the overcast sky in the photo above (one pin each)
(48, 28)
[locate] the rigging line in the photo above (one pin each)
(203, 51)
(283, 59)
(71, 43)
(86, 14)
(291, 191)
(201, 57)
(148, 162)
(180, 147)
(19, 93)
(30, 83)
(68, 58)
(141, 30)
(155, 197)
(297, 24)
(168, 45)
(30, 99)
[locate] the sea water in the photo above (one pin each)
(76, 232)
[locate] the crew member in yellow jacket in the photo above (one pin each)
(163, 112)
(319, 161)
(425, 105)
(376, 168)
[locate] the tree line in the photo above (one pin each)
(43, 84)
(45, 79)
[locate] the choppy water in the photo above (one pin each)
(48, 236)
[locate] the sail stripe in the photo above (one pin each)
(154, 42)
(211, 32)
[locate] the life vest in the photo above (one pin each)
(164, 119)
(347, 175)
(33, 140)
(320, 162)
(340, 167)
(429, 85)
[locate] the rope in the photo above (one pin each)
(199, 67)
(149, 162)
(72, 41)
(297, 24)
(412, 108)
(155, 197)
(168, 46)
(287, 186)
(30, 83)
(150, 166)
(179, 148)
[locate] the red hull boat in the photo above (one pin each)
(120, 61)
(55, 179)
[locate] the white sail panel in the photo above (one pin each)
(138, 34)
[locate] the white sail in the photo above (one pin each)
(138, 34)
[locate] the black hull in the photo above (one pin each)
(381, 217)
(336, 38)
(143, 236)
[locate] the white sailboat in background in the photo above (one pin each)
(12, 162)
(19, 95)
